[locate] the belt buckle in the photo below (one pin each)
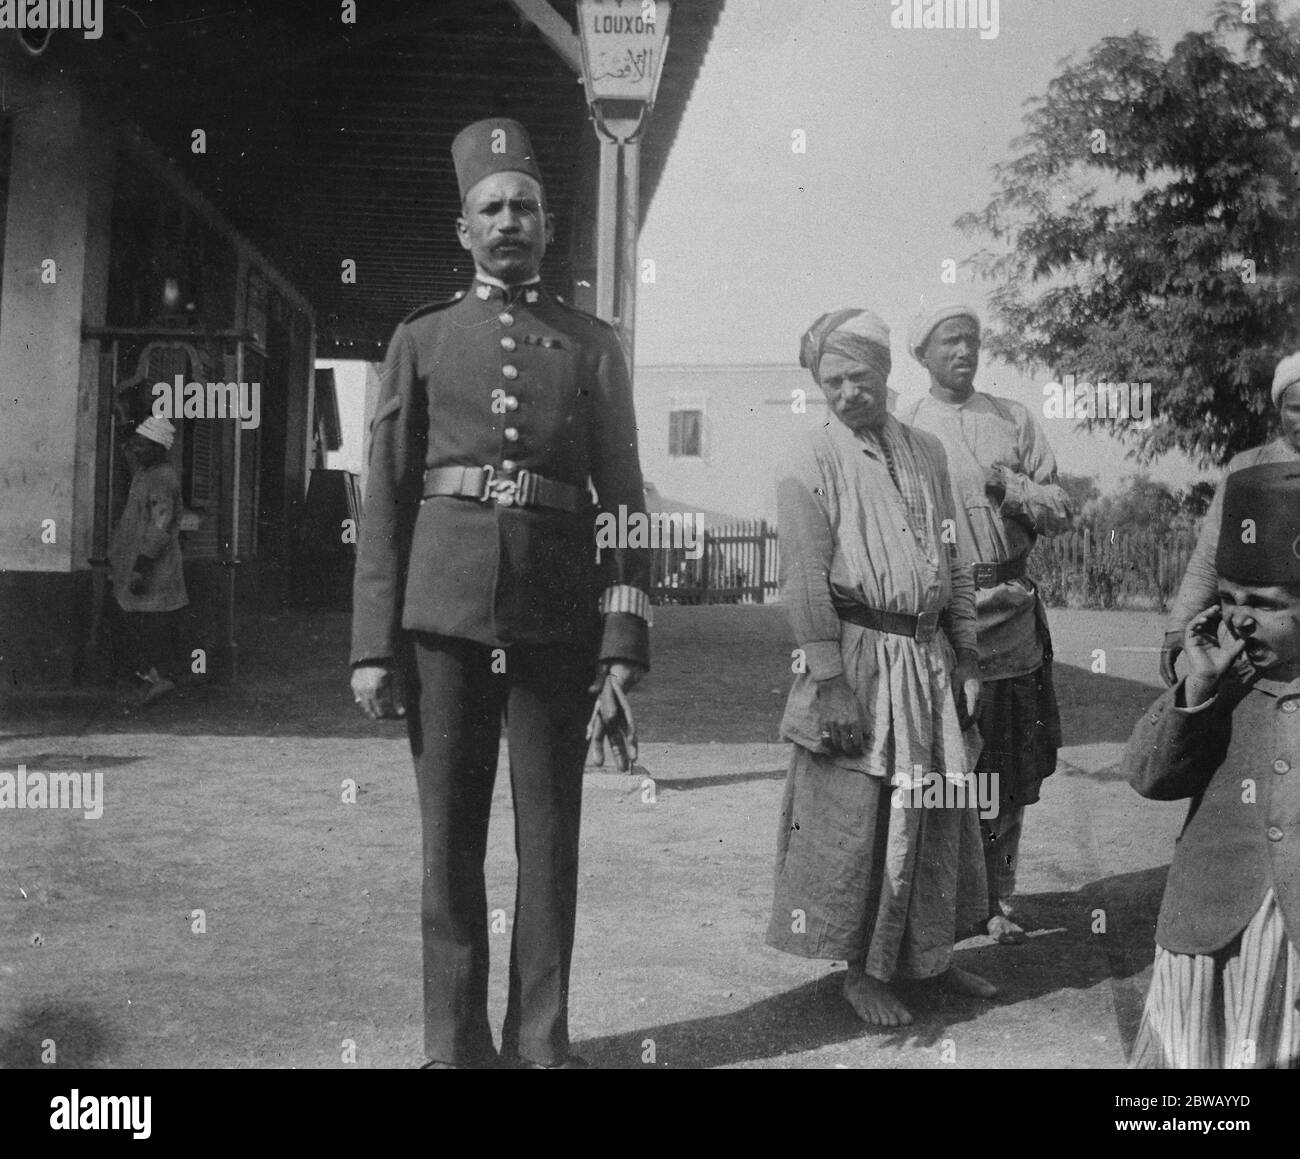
(986, 575)
(503, 491)
(927, 623)
(500, 491)
(525, 488)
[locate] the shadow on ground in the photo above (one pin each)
(57, 1035)
(1096, 708)
(1063, 954)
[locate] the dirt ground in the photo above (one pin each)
(230, 801)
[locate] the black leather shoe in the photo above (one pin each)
(487, 1062)
(573, 1062)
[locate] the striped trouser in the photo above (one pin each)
(1234, 1010)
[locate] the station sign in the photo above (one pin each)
(623, 47)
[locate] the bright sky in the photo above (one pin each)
(752, 241)
(350, 386)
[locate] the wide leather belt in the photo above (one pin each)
(922, 626)
(989, 575)
(523, 489)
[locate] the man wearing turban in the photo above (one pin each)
(1200, 586)
(869, 869)
(1004, 483)
(499, 413)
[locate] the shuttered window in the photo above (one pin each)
(686, 434)
(200, 463)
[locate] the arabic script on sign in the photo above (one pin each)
(622, 64)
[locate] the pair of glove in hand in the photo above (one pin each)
(612, 723)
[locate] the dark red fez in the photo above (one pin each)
(495, 145)
(1259, 539)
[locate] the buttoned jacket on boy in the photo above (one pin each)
(1238, 758)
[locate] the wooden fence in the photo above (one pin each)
(736, 563)
(739, 564)
(1082, 570)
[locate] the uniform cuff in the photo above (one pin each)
(1180, 700)
(627, 599)
(626, 637)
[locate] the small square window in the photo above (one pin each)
(686, 434)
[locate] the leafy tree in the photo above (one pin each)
(1149, 229)
(1083, 492)
(1141, 507)
(1196, 499)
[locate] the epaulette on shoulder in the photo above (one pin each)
(583, 314)
(432, 307)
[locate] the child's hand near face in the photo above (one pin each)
(1208, 658)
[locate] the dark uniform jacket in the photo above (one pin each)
(1237, 760)
(516, 380)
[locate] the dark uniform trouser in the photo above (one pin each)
(455, 702)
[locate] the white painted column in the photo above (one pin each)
(47, 389)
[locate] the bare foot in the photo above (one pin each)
(964, 982)
(873, 1001)
(1003, 929)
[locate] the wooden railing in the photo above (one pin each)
(735, 564)
(1115, 570)
(739, 563)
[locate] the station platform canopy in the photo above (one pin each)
(328, 141)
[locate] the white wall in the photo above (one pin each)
(42, 399)
(350, 387)
(748, 422)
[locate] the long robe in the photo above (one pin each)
(865, 872)
(1019, 717)
(985, 432)
(150, 527)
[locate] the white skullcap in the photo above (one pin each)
(1287, 374)
(157, 430)
(924, 324)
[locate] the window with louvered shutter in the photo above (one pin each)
(200, 466)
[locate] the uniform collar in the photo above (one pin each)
(486, 288)
(500, 285)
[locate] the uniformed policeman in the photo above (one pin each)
(500, 413)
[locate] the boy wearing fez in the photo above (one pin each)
(1226, 978)
(145, 554)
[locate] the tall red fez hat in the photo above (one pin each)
(1259, 540)
(495, 145)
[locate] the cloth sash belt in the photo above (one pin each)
(524, 489)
